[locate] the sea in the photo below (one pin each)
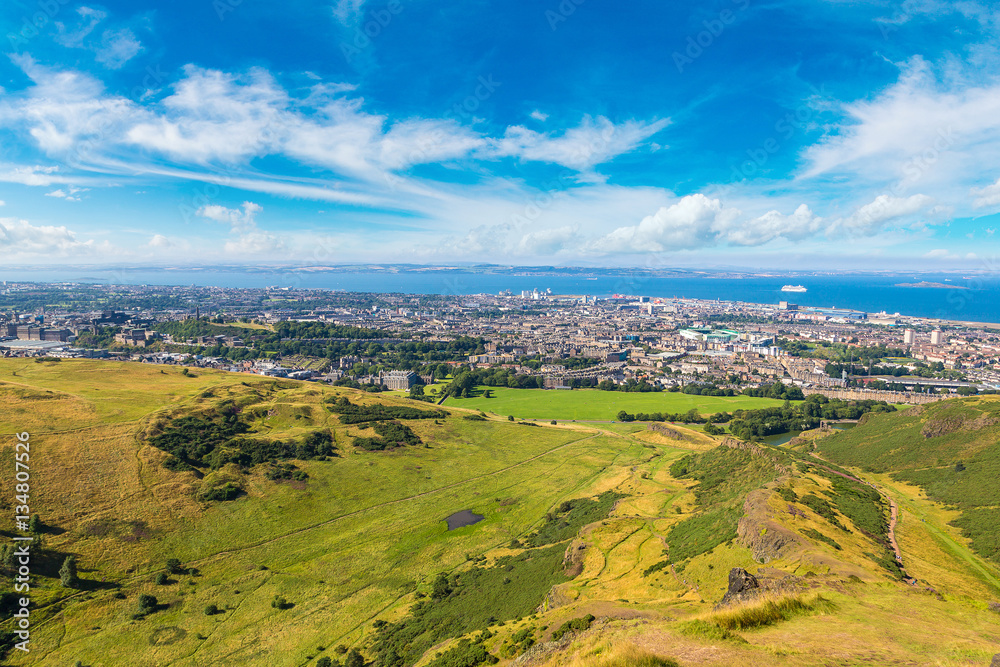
(972, 298)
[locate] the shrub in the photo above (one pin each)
(211, 610)
(161, 579)
(147, 603)
(67, 573)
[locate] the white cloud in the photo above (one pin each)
(871, 217)
(69, 195)
(987, 196)
(941, 254)
(159, 241)
(118, 47)
(20, 237)
(926, 129)
(539, 116)
(239, 219)
(73, 38)
(35, 175)
(801, 224)
(694, 221)
(593, 142)
(348, 12)
(248, 238)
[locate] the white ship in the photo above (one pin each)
(793, 288)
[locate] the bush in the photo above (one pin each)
(162, 579)
(354, 659)
(211, 610)
(67, 573)
(575, 625)
(147, 603)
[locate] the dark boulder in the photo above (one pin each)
(996, 661)
(742, 586)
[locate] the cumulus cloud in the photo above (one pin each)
(871, 217)
(987, 196)
(69, 194)
(539, 116)
(248, 238)
(20, 237)
(34, 175)
(159, 241)
(240, 219)
(801, 224)
(693, 222)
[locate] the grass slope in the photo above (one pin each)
(949, 449)
(576, 518)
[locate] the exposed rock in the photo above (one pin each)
(668, 432)
(742, 586)
(994, 606)
(764, 538)
(996, 661)
(938, 427)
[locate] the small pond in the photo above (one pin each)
(463, 518)
(784, 438)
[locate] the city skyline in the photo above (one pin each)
(786, 135)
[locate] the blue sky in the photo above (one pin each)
(735, 133)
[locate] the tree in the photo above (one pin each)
(510, 418)
(161, 579)
(35, 524)
(211, 610)
(354, 659)
(441, 588)
(174, 566)
(147, 603)
(325, 661)
(67, 573)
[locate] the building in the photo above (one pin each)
(937, 337)
(399, 380)
(909, 337)
(135, 337)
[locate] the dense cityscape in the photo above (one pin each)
(405, 342)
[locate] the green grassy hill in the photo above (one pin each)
(596, 542)
(950, 450)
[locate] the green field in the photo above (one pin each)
(592, 404)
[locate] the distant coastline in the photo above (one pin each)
(926, 285)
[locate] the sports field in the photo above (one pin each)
(592, 404)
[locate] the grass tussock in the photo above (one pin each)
(769, 611)
(624, 656)
(699, 629)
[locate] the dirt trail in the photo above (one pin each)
(893, 518)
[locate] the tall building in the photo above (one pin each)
(909, 337)
(937, 337)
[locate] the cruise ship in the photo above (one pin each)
(793, 288)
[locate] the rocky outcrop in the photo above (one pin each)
(765, 539)
(667, 432)
(996, 661)
(938, 427)
(742, 586)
